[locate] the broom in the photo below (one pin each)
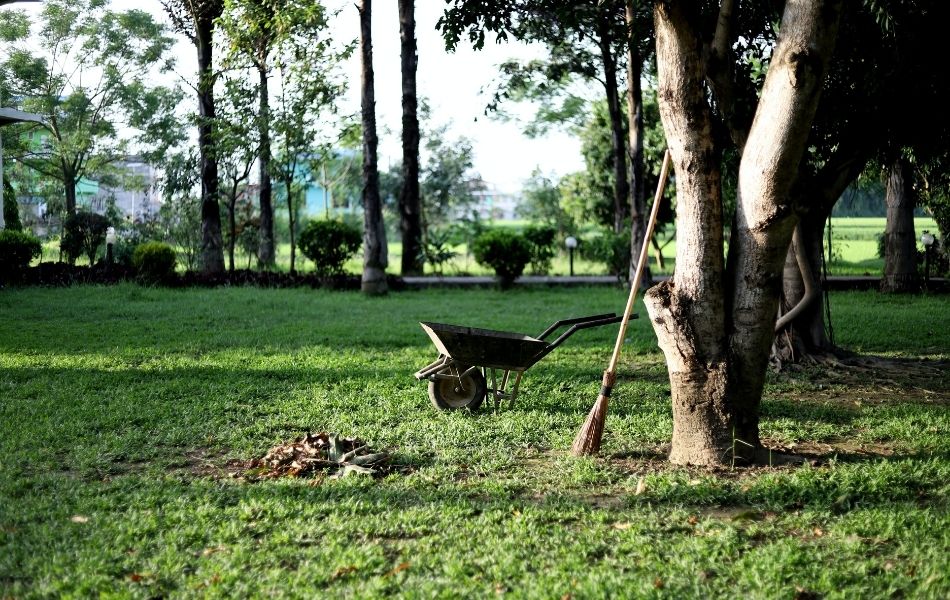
(588, 438)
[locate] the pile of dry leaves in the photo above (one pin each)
(317, 454)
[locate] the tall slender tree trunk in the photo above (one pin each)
(291, 220)
(410, 223)
(617, 144)
(212, 247)
(900, 242)
(716, 327)
(232, 226)
(638, 224)
(266, 254)
(69, 185)
(374, 232)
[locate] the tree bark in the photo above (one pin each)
(374, 232)
(266, 254)
(765, 216)
(410, 223)
(716, 327)
(688, 311)
(212, 247)
(900, 242)
(805, 334)
(291, 222)
(617, 145)
(638, 226)
(69, 185)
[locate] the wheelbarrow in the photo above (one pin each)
(470, 357)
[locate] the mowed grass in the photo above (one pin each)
(121, 407)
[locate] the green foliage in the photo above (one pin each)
(541, 239)
(610, 249)
(329, 244)
(437, 249)
(154, 262)
(541, 203)
(89, 69)
(17, 249)
(83, 233)
(11, 212)
(447, 180)
(504, 251)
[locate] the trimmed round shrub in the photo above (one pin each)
(17, 249)
(329, 244)
(154, 261)
(541, 239)
(506, 252)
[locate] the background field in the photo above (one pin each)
(854, 244)
(122, 408)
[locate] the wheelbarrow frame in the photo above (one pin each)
(518, 353)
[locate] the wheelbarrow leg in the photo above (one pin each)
(514, 390)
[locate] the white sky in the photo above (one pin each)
(450, 82)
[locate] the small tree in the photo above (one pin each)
(83, 233)
(329, 244)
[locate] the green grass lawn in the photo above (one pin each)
(122, 409)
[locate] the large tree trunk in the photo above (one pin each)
(212, 246)
(638, 226)
(688, 311)
(410, 223)
(265, 254)
(374, 233)
(900, 243)
(716, 339)
(617, 145)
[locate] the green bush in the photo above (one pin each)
(11, 212)
(154, 261)
(505, 252)
(610, 249)
(17, 249)
(329, 244)
(83, 233)
(541, 240)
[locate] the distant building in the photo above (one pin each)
(495, 204)
(139, 196)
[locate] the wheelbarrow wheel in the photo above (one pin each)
(455, 394)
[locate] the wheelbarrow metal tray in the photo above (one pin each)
(485, 347)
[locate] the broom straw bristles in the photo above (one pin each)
(590, 434)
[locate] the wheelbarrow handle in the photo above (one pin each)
(574, 320)
(574, 328)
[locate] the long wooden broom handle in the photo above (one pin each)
(644, 250)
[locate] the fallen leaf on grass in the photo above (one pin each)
(398, 569)
(692, 520)
(641, 487)
(79, 519)
(213, 550)
(658, 583)
(623, 526)
(343, 572)
(818, 532)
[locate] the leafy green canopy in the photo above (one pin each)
(88, 70)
